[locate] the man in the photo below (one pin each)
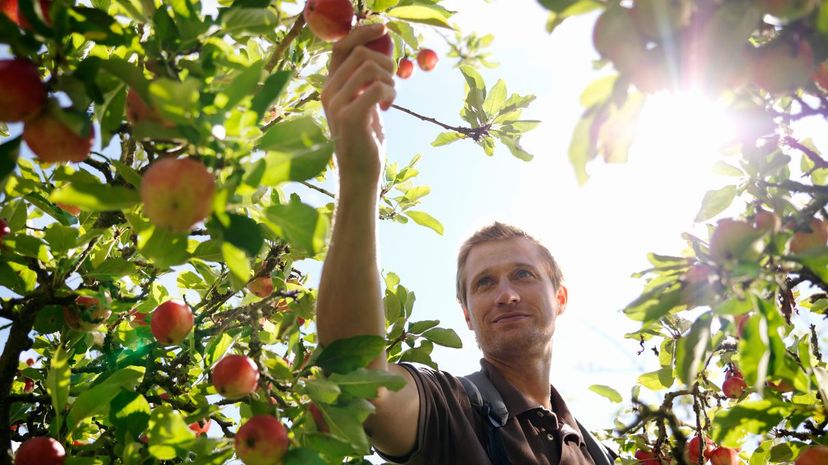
(509, 287)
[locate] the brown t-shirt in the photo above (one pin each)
(450, 431)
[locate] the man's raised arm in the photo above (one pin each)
(349, 302)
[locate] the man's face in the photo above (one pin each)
(512, 304)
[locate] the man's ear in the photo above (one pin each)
(467, 317)
(562, 296)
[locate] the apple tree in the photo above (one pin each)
(736, 321)
(152, 159)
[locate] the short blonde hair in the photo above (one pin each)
(501, 232)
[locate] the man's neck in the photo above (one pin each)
(529, 375)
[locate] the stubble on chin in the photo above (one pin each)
(514, 344)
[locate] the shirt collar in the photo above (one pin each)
(517, 403)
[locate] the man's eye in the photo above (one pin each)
(523, 273)
(483, 281)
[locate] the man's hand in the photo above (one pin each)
(359, 79)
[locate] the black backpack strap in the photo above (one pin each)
(485, 397)
(600, 454)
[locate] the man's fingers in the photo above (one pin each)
(365, 103)
(359, 36)
(367, 73)
(358, 57)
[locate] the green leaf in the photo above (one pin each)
(164, 248)
(112, 269)
(657, 380)
(322, 390)
(345, 422)
(217, 347)
(237, 262)
(270, 91)
(419, 326)
(9, 151)
(96, 197)
(424, 219)
(730, 426)
(346, 355)
(444, 337)
(61, 238)
(496, 98)
(607, 392)
(425, 14)
(302, 456)
(754, 351)
(169, 435)
(130, 175)
(715, 202)
(176, 101)
(381, 5)
(57, 383)
(243, 84)
(248, 20)
(445, 138)
(242, 232)
(582, 148)
(96, 400)
(130, 413)
(475, 93)
(365, 383)
(598, 91)
(297, 150)
(693, 349)
(514, 147)
(302, 225)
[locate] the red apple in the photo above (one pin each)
(804, 241)
(5, 230)
(261, 286)
(30, 361)
(814, 455)
(235, 376)
(28, 385)
(201, 427)
(171, 322)
(646, 457)
(382, 44)
(404, 68)
(330, 20)
(23, 95)
(138, 318)
(821, 76)
(9, 8)
(263, 440)
(52, 141)
(40, 450)
(615, 37)
(766, 221)
(318, 418)
(177, 193)
(70, 209)
(724, 456)
(137, 111)
(692, 449)
(734, 385)
(781, 66)
(735, 240)
(427, 59)
(87, 314)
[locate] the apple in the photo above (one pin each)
(138, 318)
(262, 440)
(382, 44)
(616, 38)
(787, 10)
(137, 111)
(70, 209)
(53, 141)
(235, 376)
(87, 313)
(724, 456)
(781, 66)
(404, 68)
(734, 385)
(766, 221)
(318, 418)
(261, 286)
(660, 18)
(646, 457)
(28, 385)
(40, 450)
(177, 193)
(814, 455)
(201, 427)
(11, 8)
(427, 59)
(692, 449)
(171, 322)
(5, 230)
(817, 237)
(329, 20)
(24, 95)
(821, 76)
(735, 240)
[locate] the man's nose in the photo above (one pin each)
(506, 293)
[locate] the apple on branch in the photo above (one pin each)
(781, 66)
(734, 385)
(815, 238)
(693, 446)
(58, 135)
(235, 376)
(814, 455)
(427, 59)
(23, 95)
(171, 322)
(262, 440)
(40, 450)
(405, 68)
(329, 20)
(646, 457)
(261, 287)
(177, 193)
(87, 313)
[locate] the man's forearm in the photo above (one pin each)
(349, 302)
